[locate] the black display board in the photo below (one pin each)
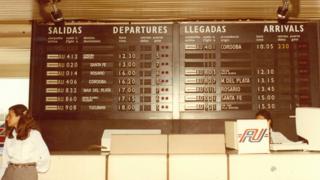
(230, 69)
(183, 70)
(102, 71)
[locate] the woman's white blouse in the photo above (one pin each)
(32, 149)
(278, 137)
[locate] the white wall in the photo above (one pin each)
(12, 91)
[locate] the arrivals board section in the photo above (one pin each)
(242, 67)
(178, 70)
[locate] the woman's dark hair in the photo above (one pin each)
(25, 124)
(266, 114)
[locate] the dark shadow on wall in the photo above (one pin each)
(62, 135)
(81, 135)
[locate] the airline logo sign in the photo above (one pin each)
(253, 135)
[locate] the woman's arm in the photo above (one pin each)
(43, 161)
(5, 159)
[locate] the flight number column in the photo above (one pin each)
(61, 75)
(199, 71)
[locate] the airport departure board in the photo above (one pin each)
(178, 70)
(102, 70)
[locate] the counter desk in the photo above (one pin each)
(291, 165)
(79, 165)
(285, 165)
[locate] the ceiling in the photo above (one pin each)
(22, 10)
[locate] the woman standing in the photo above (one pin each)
(24, 152)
